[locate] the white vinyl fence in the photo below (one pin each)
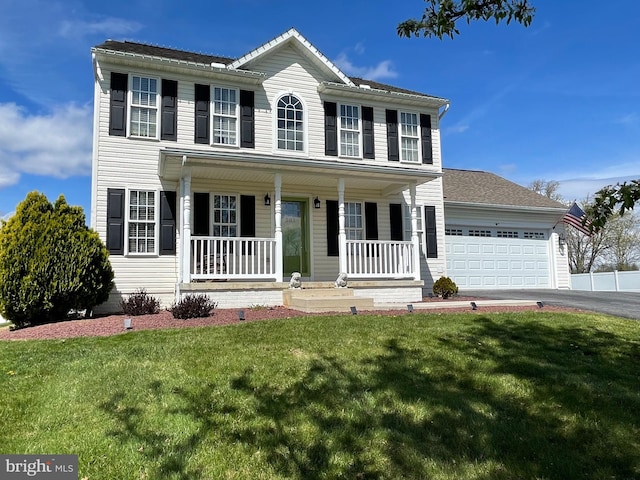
(607, 281)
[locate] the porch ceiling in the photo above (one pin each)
(256, 169)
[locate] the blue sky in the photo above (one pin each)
(559, 100)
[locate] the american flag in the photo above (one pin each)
(574, 217)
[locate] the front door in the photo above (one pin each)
(295, 237)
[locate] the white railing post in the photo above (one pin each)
(415, 241)
(278, 220)
(342, 235)
(186, 225)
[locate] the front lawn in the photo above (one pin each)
(526, 395)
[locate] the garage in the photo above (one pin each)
(501, 235)
(483, 258)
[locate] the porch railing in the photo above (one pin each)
(237, 258)
(380, 259)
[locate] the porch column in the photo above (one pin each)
(414, 233)
(186, 224)
(278, 218)
(342, 235)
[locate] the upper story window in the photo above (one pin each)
(144, 107)
(225, 116)
(350, 126)
(290, 128)
(353, 223)
(409, 137)
(141, 225)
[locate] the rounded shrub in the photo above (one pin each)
(193, 306)
(50, 263)
(140, 303)
(445, 287)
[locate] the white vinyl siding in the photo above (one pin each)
(143, 112)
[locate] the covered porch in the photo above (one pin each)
(293, 200)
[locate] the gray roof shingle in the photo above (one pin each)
(474, 186)
(183, 55)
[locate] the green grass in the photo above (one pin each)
(458, 396)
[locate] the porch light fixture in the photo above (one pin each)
(474, 306)
(267, 200)
(316, 202)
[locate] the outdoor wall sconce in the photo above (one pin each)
(316, 202)
(267, 200)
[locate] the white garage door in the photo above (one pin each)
(489, 262)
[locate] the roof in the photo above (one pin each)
(477, 187)
(147, 50)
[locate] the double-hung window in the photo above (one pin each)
(144, 107)
(350, 127)
(353, 222)
(142, 221)
(225, 216)
(407, 222)
(409, 137)
(290, 124)
(225, 116)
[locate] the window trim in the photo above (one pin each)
(359, 131)
(305, 126)
(131, 106)
(212, 116)
(212, 196)
(156, 222)
(417, 137)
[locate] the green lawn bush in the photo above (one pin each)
(50, 263)
(445, 287)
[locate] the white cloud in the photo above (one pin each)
(380, 71)
(108, 26)
(57, 144)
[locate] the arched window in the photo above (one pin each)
(290, 124)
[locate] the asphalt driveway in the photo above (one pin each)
(620, 304)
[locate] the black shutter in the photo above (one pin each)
(425, 135)
(330, 129)
(201, 214)
(430, 230)
(247, 119)
(247, 218)
(115, 221)
(169, 110)
(395, 221)
(368, 150)
(393, 150)
(202, 99)
(118, 105)
(167, 223)
(371, 221)
(332, 228)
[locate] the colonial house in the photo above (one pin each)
(227, 175)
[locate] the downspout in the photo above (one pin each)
(444, 112)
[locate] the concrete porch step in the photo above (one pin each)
(315, 300)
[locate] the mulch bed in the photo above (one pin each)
(114, 324)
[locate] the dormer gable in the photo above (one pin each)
(292, 37)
